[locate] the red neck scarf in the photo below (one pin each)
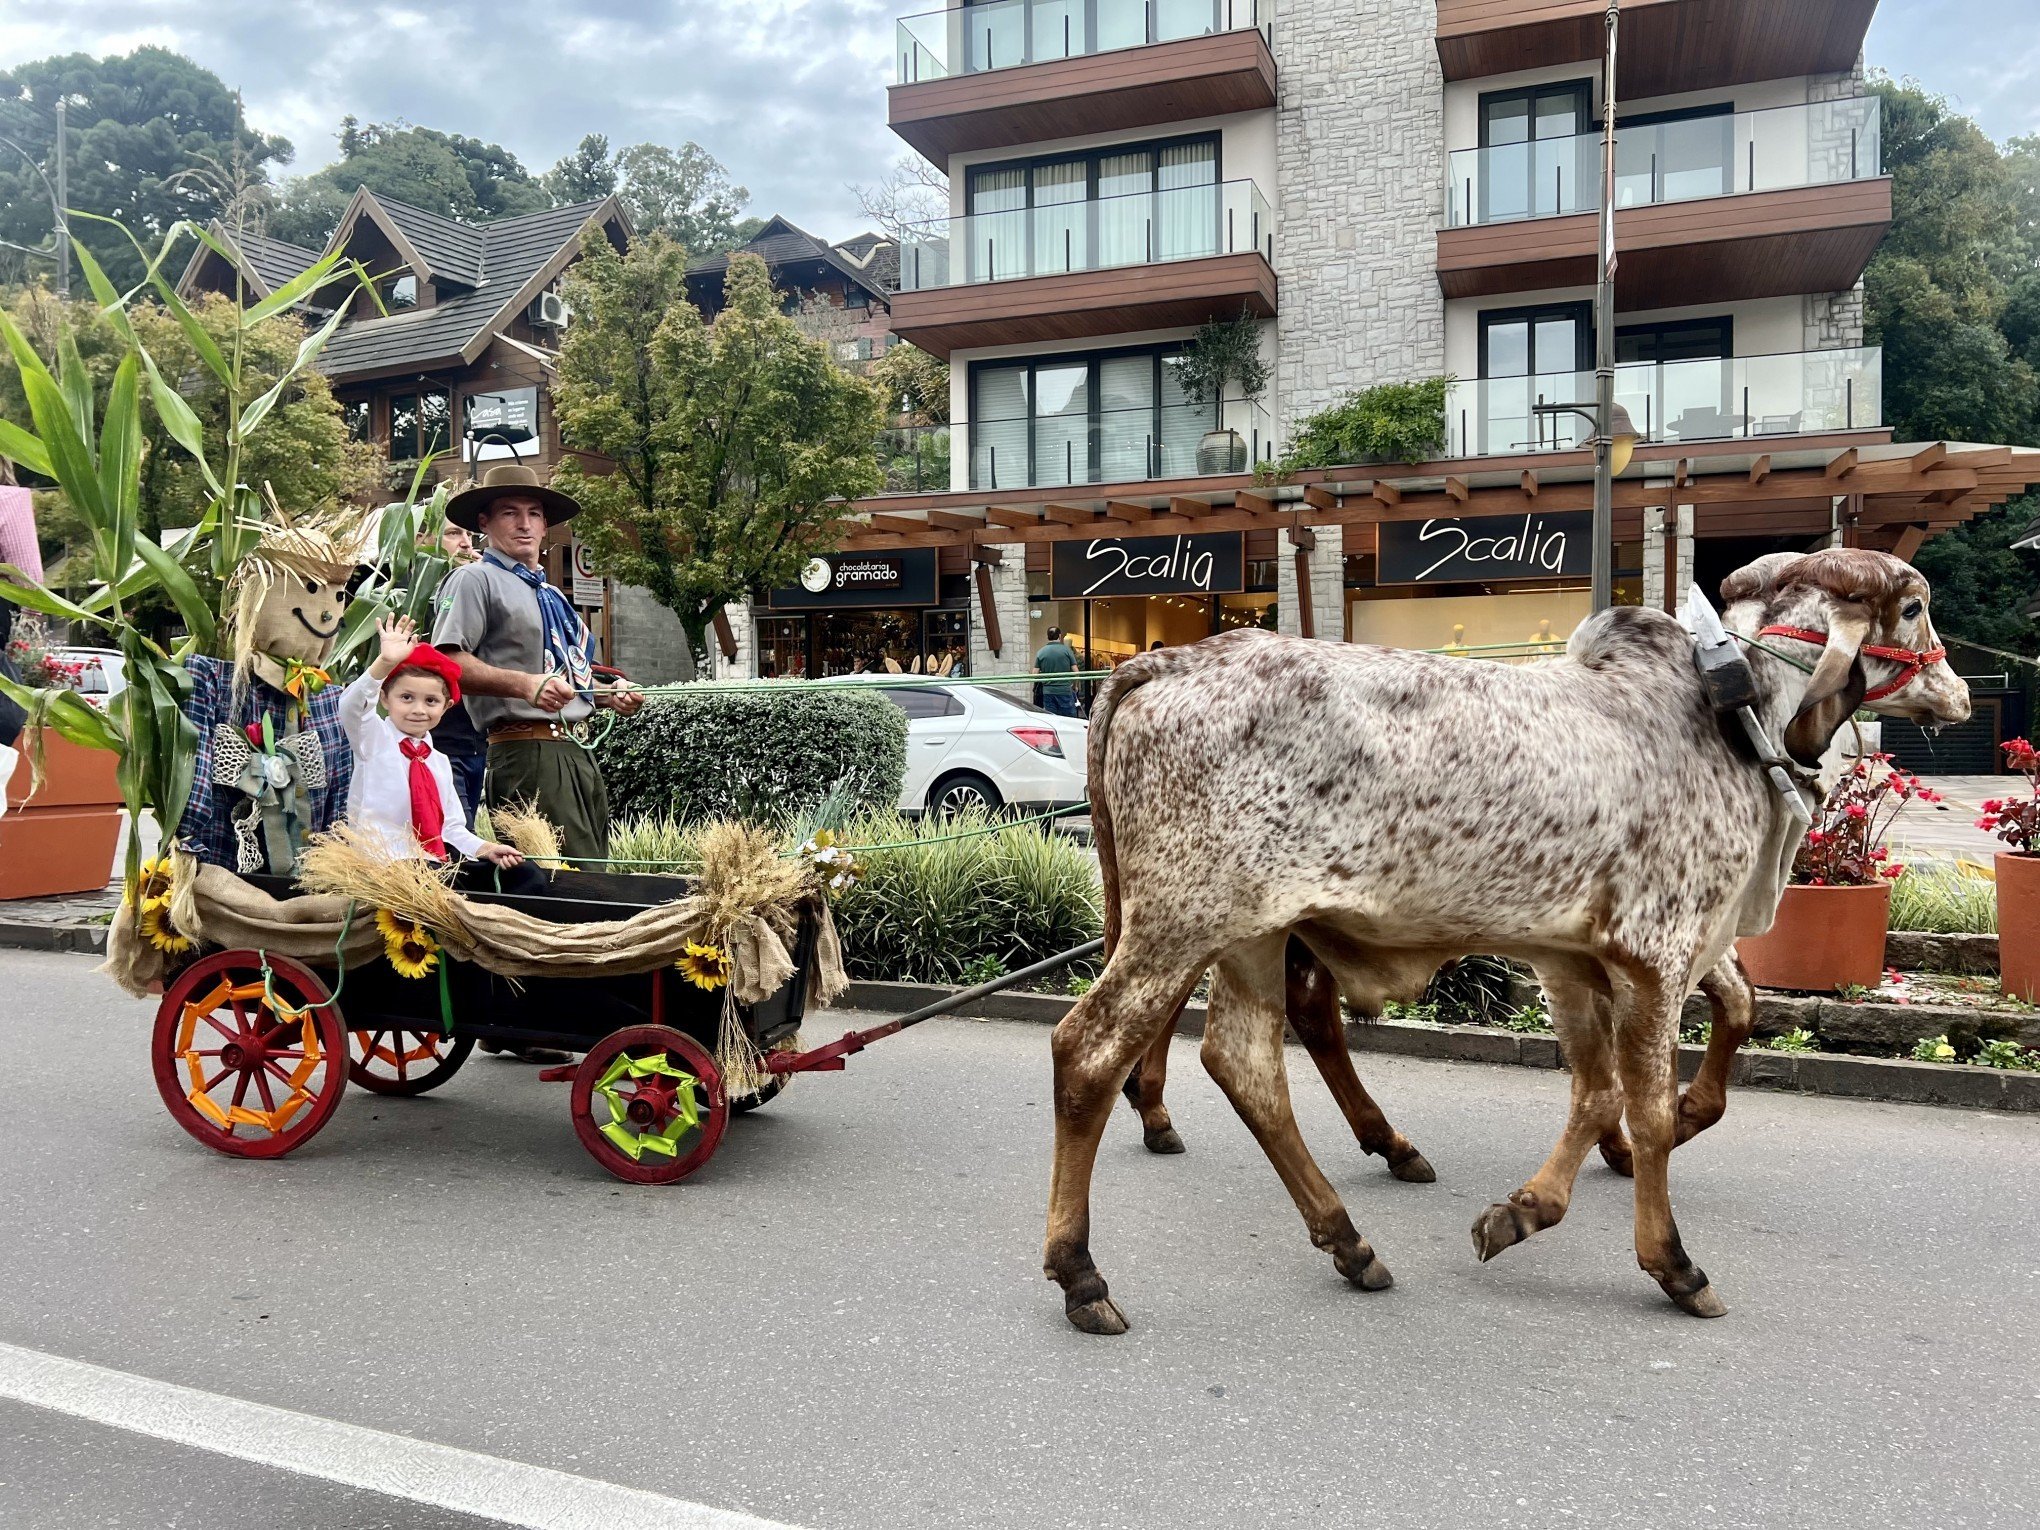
(428, 813)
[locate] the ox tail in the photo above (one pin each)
(1126, 679)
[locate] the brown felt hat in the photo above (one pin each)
(503, 480)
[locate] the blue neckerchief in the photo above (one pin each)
(566, 636)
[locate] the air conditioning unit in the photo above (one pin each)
(550, 311)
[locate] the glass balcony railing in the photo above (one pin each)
(1813, 145)
(1003, 34)
(1730, 398)
(1118, 445)
(1144, 228)
(915, 458)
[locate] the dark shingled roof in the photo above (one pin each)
(780, 243)
(510, 252)
(453, 250)
(274, 261)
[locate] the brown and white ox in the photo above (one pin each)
(1388, 811)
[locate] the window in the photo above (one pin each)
(1535, 163)
(1674, 378)
(359, 413)
(404, 292)
(1003, 34)
(1126, 205)
(1112, 417)
(1674, 156)
(1530, 356)
(420, 423)
(920, 705)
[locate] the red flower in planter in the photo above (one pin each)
(1845, 846)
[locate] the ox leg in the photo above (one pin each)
(1733, 998)
(1646, 1051)
(1243, 1052)
(1143, 1090)
(1312, 1004)
(1093, 1047)
(1582, 1020)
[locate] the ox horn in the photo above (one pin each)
(1837, 686)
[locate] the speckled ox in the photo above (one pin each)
(1392, 810)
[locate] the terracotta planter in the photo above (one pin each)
(2018, 896)
(1825, 938)
(62, 840)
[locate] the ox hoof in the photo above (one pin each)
(1617, 1156)
(1415, 1169)
(1360, 1266)
(1100, 1316)
(1163, 1141)
(1500, 1226)
(1700, 1301)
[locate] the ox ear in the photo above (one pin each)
(1837, 686)
(1755, 579)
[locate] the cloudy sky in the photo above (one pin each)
(790, 94)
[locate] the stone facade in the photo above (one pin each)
(743, 624)
(1834, 320)
(1360, 155)
(651, 645)
(1327, 563)
(1009, 596)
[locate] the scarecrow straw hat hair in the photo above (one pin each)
(325, 546)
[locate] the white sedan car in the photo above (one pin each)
(103, 676)
(972, 748)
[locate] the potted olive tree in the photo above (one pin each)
(2016, 821)
(1832, 919)
(1224, 352)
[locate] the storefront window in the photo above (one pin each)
(782, 647)
(866, 642)
(1237, 611)
(1492, 621)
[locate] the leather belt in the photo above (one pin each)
(517, 733)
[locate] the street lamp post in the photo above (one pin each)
(1604, 343)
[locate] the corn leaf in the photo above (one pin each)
(70, 462)
(23, 591)
(193, 607)
(293, 291)
(23, 448)
(70, 714)
(308, 350)
(76, 383)
(120, 458)
(111, 303)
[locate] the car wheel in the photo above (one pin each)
(964, 793)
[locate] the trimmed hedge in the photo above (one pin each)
(711, 752)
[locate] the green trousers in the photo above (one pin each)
(561, 780)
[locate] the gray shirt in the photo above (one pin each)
(486, 610)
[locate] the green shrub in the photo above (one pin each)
(1474, 990)
(1390, 422)
(1944, 900)
(941, 911)
(710, 752)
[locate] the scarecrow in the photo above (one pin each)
(273, 761)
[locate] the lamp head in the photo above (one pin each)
(1621, 439)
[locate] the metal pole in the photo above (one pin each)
(63, 210)
(1604, 346)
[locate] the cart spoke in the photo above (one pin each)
(262, 1088)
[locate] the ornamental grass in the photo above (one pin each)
(1945, 898)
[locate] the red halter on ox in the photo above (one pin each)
(1912, 660)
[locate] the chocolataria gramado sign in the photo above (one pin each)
(1471, 549)
(903, 578)
(1212, 564)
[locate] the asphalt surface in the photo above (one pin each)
(841, 1321)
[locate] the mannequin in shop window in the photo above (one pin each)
(1544, 640)
(1457, 647)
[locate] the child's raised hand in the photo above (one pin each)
(399, 636)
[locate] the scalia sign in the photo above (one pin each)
(1109, 566)
(1481, 548)
(904, 578)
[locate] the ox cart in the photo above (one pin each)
(253, 1051)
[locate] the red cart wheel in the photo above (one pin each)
(405, 1062)
(251, 1067)
(648, 1104)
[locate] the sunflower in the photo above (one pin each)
(159, 931)
(154, 882)
(705, 966)
(409, 946)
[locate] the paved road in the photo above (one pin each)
(841, 1322)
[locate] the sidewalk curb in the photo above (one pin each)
(84, 939)
(1837, 1075)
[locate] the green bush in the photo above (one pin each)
(709, 752)
(1944, 900)
(1390, 422)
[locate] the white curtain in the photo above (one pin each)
(1187, 202)
(1126, 418)
(1061, 217)
(1062, 424)
(998, 436)
(1125, 209)
(997, 227)
(1182, 424)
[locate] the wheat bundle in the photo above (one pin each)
(522, 827)
(351, 864)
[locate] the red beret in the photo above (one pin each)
(433, 662)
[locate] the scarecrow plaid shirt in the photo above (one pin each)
(208, 816)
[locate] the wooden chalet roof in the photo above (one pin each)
(868, 260)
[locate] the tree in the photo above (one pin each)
(446, 173)
(909, 195)
(1953, 297)
(914, 384)
(584, 175)
(136, 123)
(734, 444)
(684, 193)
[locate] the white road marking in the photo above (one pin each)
(394, 1465)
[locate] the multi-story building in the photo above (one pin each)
(1391, 190)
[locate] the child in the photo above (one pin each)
(403, 788)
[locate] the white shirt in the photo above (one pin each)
(379, 800)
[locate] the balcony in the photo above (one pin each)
(1731, 398)
(1110, 445)
(1709, 209)
(1026, 71)
(1666, 45)
(1070, 270)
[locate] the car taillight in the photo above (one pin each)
(1041, 740)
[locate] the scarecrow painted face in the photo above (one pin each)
(299, 616)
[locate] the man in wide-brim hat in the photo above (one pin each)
(525, 658)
